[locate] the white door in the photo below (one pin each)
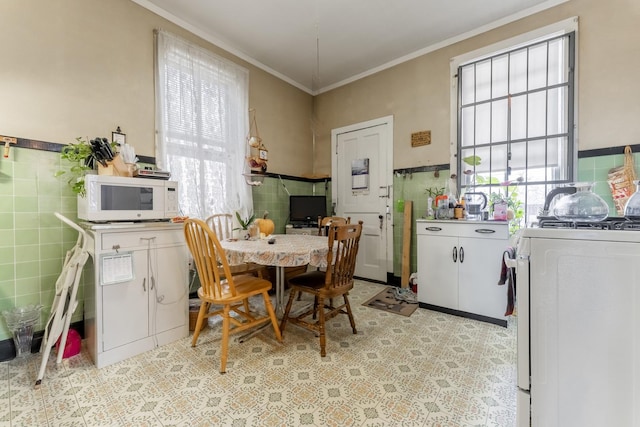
(478, 270)
(125, 307)
(361, 188)
(170, 270)
(438, 270)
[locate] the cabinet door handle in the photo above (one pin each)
(485, 230)
(433, 229)
(455, 254)
(144, 284)
(461, 254)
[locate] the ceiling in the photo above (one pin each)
(318, 45)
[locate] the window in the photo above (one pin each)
(515, 123)
(202, 121)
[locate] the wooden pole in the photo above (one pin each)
(406, 243)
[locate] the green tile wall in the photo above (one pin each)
(272, 196)
(596, 169)
(411, 186)
(33, 242)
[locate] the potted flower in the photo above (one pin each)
(244, 225)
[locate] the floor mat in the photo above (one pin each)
(387, 301)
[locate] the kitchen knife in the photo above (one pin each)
(106, 153)
(110, 152)
(90, 161)
(98, 156)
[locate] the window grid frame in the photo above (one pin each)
(567, 113)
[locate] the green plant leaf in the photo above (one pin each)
(434, 191)
(472, 160)
(76, 154)
(244, 223)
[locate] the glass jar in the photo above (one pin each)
(254, 232)
(583, 205)
(632, 208)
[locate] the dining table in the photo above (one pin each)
(280, 251)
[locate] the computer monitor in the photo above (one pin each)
(306, 209)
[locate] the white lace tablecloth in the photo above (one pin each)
(289, 250)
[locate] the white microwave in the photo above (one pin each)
(114, 198)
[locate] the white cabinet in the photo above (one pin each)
(459, 264)
(138, 298)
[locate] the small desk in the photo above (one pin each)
(289, 250)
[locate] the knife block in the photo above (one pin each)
(115, 167)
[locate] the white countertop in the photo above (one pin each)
(461, 221)
(128, 225)
(632, 236)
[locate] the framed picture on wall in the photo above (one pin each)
(118, 137)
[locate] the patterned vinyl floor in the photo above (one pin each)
(430, 369)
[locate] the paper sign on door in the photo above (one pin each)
(360, 175)
(116, 268)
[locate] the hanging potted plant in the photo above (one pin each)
(258, 153)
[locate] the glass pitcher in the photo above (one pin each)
(632, 208)
(582, 206)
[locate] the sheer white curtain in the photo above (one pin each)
(202, 122)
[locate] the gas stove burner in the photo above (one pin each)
(631, 225)
(610, 223)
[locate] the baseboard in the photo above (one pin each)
(499, 322)
(394, 280)
(382, 282)
(8, 349)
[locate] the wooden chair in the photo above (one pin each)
(325, 222)
(323, 225)
(222, 225)
(232, 292)
(337, 281)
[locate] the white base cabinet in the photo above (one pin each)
(140, 301)
(459, 264)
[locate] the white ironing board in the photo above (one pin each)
(65, 300)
